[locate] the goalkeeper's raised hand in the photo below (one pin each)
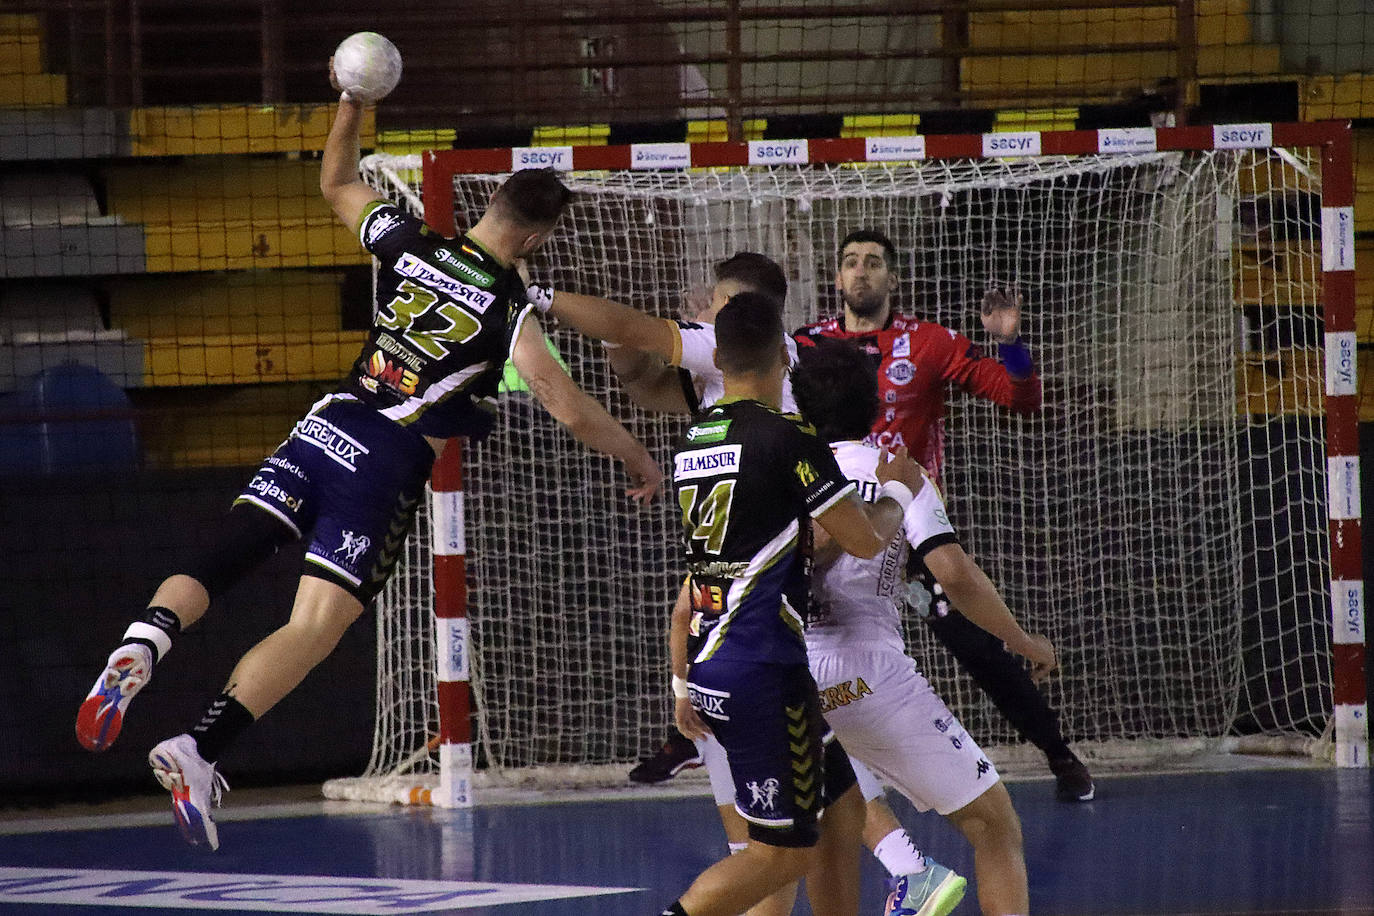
(1002, 314)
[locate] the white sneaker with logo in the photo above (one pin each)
(195, 787)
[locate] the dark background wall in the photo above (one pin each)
(79, 557)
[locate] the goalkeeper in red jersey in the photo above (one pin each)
(916, 361)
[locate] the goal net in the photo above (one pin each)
(1162, 519)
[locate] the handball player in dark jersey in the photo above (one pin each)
(349, 478)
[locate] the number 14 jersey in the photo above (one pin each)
(748, 481)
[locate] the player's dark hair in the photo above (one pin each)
(876, 237)
(748, 333)
(756, 272)
(836, 389)
(533, 198)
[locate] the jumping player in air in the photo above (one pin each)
(350, 476)
(915, 361)
(749, 480)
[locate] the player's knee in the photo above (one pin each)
(990, 821)
(790, 862)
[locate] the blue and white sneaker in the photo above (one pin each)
(933, 892)
(102, 712)
(195, 787)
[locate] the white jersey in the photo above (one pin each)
(696, 354)
(856, 600)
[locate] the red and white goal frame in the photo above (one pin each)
(1337, 290)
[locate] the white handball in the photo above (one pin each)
(367, 66)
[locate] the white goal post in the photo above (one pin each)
(1181, 518)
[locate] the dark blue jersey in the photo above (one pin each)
(447, 316)
(749, 479)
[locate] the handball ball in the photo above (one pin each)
(367, 66)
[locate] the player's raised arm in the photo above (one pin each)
(1010, 380)
(345, 192)
(583, 416)
(972, 592)
(618, 324)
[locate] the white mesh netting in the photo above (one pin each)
(1162, 519)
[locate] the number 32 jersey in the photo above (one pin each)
(749, 480)
(447, 316)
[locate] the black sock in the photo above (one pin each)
(155, 631)
(224, 720)
(674, 910)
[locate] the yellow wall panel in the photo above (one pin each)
(241, 359)
(20, 54)
(33, 91)
(220, 129)
(1349, 95)
(198, 305)
(1285, 383)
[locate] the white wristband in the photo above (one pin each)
(610, 345)
(895, 489)
(679, 687)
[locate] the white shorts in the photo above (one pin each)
(886, 714)
(723, 785)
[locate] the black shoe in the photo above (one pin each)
(677, 754)
(1073, 782)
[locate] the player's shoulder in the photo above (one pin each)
(822, 328)
(383, 221)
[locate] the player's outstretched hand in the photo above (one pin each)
(334, 84)
(900, 467)
(1042, 657)
(1002, 314)
(647, 476)
(687, 720)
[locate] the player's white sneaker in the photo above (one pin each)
(933, 892)
(195, 787)
(102, 713)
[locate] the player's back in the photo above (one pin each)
(748, 479)
(447, 313)
(854, 600)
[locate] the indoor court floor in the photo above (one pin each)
(1257, 840)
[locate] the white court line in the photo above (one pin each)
(274, 893)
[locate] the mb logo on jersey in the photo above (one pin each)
(806, 473)
(763, 796)
(390, 374)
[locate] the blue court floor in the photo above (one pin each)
(1282, 841)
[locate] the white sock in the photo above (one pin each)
(899, 855)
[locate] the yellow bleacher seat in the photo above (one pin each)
(250, 302)
(240, 359)
(220, 129)
(1290, 382)
(227, 214)
(1350, 95)
(1287, 274)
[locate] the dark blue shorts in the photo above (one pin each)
(352, 481)
(783, 758)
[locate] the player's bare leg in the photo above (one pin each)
(737, 882)
(183, 596)
(272, 669)
(991, 826)
(832, 883)
(778, 903)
